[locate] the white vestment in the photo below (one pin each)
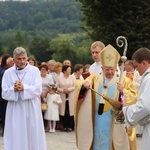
(140, 112)
(96, 68)
(24, 128)
(136, 83)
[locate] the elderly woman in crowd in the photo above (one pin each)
(66, 85)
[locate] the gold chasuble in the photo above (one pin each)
(86, 111)
(94, 125)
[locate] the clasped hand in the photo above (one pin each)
(66, 91)
(18, 86)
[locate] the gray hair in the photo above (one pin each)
(19, 51)
(52, 61)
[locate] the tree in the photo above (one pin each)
(19, 40)
(106, 20)
(63, 49)
(83, 52)
(1, 48)
(40, 49)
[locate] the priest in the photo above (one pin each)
(94, 125)
(21, 87)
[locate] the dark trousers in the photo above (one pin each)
(67, 120)
(45, 121)
(3, 107)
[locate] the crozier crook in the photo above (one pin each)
(122, 41)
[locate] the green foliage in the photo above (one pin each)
(63, 16)
(47, 29)
(106, 20)
(19, 40)
(60, 49)
(40, 48)
(63, 50)
(1, 48)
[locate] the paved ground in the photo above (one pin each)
(66, 141)
(62, 141)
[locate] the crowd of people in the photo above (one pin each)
(72, 101)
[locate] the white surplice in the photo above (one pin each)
(139, 113)
(96, 67)
(24, 128)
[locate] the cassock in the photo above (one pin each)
(94, 131)
(139, 113)
(24, 128)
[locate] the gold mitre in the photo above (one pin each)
(109, 56)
